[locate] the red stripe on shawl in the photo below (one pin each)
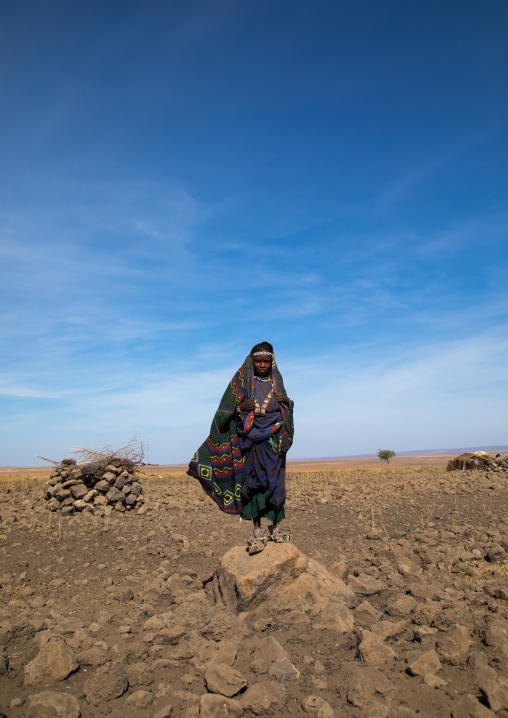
(224, 460)
(236, 389)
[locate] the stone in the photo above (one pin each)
(280, 577)
(55, 661)
(403, 712)
(136, 488)
(408, 569)
(320, 683)
(223, 679)
(366, 614)
(4, 663)
(205, 654)
(115, 496)
(169, 636)
(423, 662)
(365, 585)
(335, 617)
(123, 594)
(24, 631)
(78, 491)
(165, 712)
(429, 679)
(367, 684)
(372, 650)
(108, 682)
(493, 688)
(402, 606)
(269, 650)
(497, 590)
(421, 633)
(283, 670)
(70, 482)
(316, 704)
(496, 634)
(325, 711)
(94, 657)
(80, 505)
(102, 486)
(477, 659)
(215, 706)
(453, 645)
(162, 599)
(121, 481)
(52, 704)
(227, 651)
(139, 674)
(222, 623)
(263, 696)
(468, 707)
(139, 699)
(376, 710)
(386, 629)
(69, 625)
(154, 623)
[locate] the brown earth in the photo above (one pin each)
(120, 615)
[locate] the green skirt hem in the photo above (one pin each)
(257, 506)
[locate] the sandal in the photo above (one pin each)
(277, 537)
(256, 544)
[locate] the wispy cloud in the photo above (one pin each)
(347, 402)
(410, 397)
(414, 175)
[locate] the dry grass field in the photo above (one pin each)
(297, 470)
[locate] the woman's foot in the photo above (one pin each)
(275, 534)
(258, 543)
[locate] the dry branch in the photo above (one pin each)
(44, 459)
(93, 462)
(133, 452)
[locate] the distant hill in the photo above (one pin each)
(428, 452)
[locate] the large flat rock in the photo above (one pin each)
(279, 578)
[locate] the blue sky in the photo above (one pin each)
(180, 180)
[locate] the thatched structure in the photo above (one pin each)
(469, 462)
(478, 461)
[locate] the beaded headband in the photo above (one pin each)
(258, 353)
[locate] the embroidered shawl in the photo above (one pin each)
(218, 464)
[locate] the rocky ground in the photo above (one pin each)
(390, 600)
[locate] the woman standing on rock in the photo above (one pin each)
(242, 464)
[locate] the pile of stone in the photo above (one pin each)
(73, 488)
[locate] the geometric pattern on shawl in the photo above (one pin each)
(218, 464)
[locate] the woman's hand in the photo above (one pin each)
(282, 398)
(247, 405)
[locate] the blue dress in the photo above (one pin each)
(264, 488)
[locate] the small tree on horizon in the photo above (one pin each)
(386, 455)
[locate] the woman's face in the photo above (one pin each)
(262, 364)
